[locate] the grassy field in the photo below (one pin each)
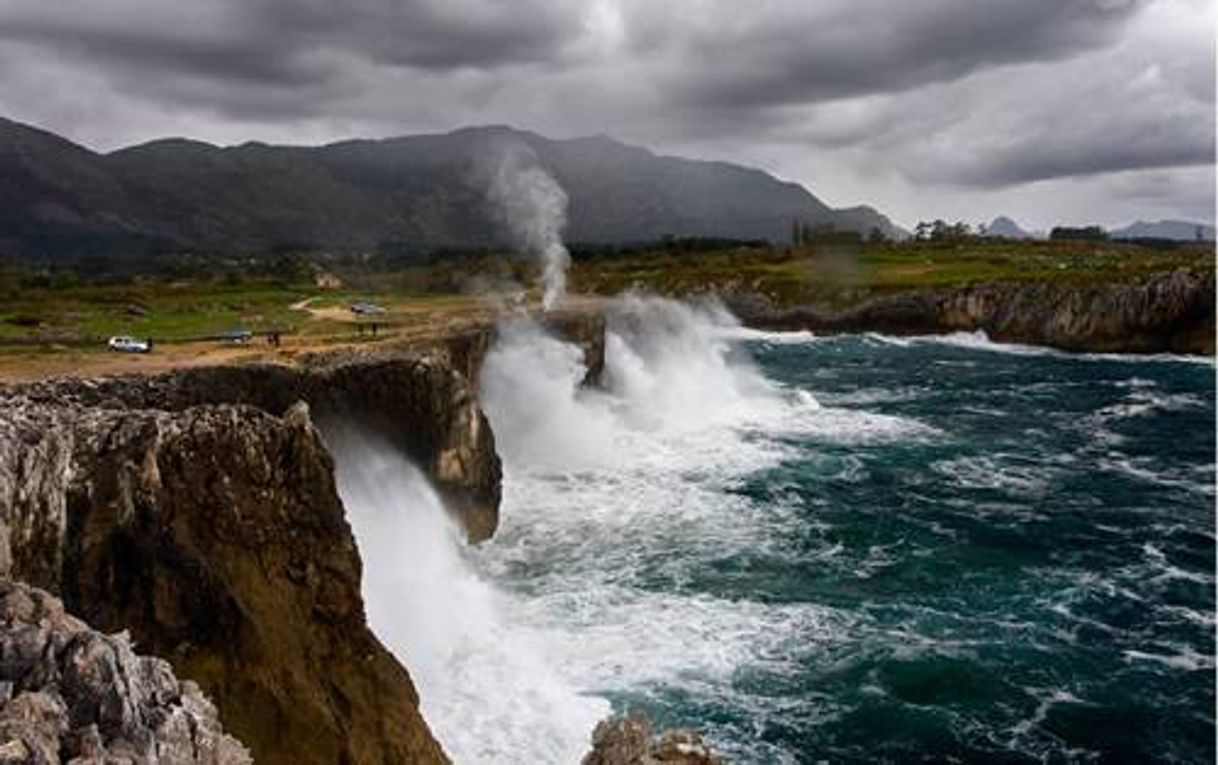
(837, 275)
(64, 326)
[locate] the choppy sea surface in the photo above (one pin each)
(849, 549)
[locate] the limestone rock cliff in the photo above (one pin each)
(1170, 312)
(69, 692)
(420, 406)
(215, 536)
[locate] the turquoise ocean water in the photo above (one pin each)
(848, 550)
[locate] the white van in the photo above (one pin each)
(127, 344)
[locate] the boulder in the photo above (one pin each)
(628, 740)
(71, 693)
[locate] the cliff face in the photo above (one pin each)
(72, 692)
(215, 535)
(1171, 312)
(465, 350)
(420, 406)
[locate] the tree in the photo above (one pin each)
(1084, 233)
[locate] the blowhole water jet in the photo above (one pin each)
(533, 207)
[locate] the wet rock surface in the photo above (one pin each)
(629, 740)
(215, 536)
(465, 350)
(69, 693)
(1171, 312)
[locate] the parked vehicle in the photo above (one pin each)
(366, 308)
(128, 344)
(237, 336)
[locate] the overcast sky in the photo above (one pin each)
(1046, 110)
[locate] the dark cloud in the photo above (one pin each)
(429, 34)
(884, 101)
(1037, 162)
(290, 42)
(817, 51)
(136, 41)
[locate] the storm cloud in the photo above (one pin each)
(941, 108)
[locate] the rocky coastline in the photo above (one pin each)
(1167, 313)
(196, 512)
(214, 536)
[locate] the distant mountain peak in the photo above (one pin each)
(1007, 228)
(171, 144)
(1178, 230)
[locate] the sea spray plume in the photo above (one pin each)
(670, 367)
(485, 683)
(533, 206)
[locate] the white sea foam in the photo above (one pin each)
(1176, 656)
(1142, 400)
(784, 337)
(996, 471)
(978, 340)
(616, 500)
(618, 506)
(486, 685)
(981, 341)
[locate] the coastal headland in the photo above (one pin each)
(187, 496)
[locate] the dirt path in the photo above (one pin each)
(404, 324)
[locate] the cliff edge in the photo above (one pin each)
(419, 405)
(213, 534)
(1170, 312)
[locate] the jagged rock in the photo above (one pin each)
(215, 535)
(82, 696)
(1170, 312)
(418, 405)
(628, 740)
(466, 349)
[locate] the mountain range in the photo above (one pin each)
(1179, 230)
(405, 194)
(1175, 230)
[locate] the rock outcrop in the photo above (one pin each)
(214, 535)
(1171, 312)
(69, 693)
(465, 350)
(421, 406)
(629, 740)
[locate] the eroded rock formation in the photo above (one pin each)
(629, 740)
(1170, 312)
(418, 405)
(466, 349)
(69, 692)
(215, 536)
